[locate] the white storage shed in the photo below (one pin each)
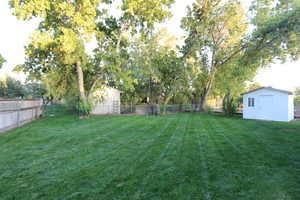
(268, 103)
(107, 101)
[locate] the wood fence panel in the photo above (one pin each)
(15, 113)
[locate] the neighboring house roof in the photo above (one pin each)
(269, 88)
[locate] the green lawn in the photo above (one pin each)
(182, 156)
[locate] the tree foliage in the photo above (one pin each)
(158, 72)
(1, 61)
(297, 96)
(59, 43)
(276, 36)
(254, 86)
(215, 31)
(219, 56)
(230, 82)
(13, 88)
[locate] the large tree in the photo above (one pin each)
(157, 68)
(230, 82)
(57, 49)
(216, 36)
(215, 31)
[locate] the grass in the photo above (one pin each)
(182, 156)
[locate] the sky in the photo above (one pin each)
(15, 34)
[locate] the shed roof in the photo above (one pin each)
(269, 88)
(108, 88)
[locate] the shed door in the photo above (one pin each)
(266, 107)
(116, 107)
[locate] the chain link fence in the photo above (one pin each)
(157, 109)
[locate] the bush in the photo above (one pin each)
(84, 108)
(297, 100)
(208, 109)
(230, 105)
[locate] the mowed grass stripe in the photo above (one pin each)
(256, 169)
(178, 157)
(234, 172)
(127, 177)
(100, 167)
(261, 143)
(223, 177)
(53, 133)
(65, 164)
(209, 156)
(248, 172)
(191, 171)
(49, 152)
(251, 147)
(163, 136)
(103, 177)
(164, 170)
(252, 144)
(269, 162)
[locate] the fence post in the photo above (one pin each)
(32, 114)
(36, 113)
(18, 113)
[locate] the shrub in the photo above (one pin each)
(297, 100)
(84, 108)
(208, 109)
(230, 105)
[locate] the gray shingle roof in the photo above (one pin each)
(269, 88)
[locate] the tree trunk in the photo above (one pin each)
(208, 86)
(165, 104)
(203, 99)
(80, 81)
(206, 92)
(149, 98)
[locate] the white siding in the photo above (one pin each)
(269, 105)
(291, 107)
(110, 103)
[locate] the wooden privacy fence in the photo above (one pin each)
(15, 113)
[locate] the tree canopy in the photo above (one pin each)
(12, 88)
(215, 31)
(216, 36)
(58, 47)
(220, 54)
(1, 61)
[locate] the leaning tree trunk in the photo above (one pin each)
(83, 97)
(203, 99)
(166, 103)
(206, 92)
(80, 82)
